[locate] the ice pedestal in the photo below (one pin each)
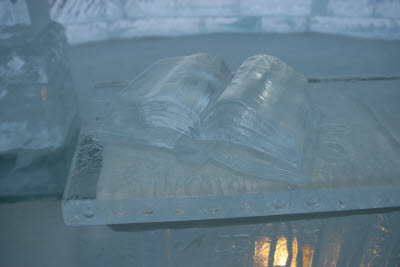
(352, 165)
(38, 109)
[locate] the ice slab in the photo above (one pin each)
(353, 165)
(38, 108)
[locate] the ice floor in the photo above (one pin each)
(35, 228)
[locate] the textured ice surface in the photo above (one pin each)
(38, 109)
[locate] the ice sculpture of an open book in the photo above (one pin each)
(187, 140)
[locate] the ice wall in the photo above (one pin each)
(96, 20)
(87, 20)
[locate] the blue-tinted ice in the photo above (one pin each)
(262, 142)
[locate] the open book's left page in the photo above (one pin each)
(166, 100)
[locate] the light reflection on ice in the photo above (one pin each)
(281, 252)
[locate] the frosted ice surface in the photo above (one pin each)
(358, 139)
(37, 99)
(158, 173)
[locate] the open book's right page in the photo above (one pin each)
(261, 124)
